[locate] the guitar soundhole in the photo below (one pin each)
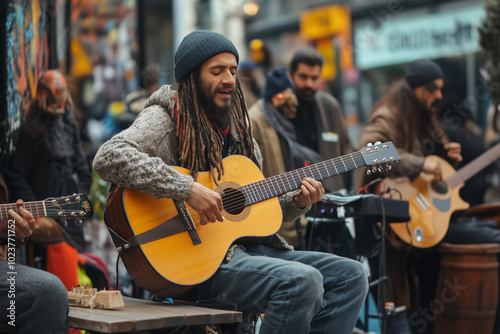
(233, 201)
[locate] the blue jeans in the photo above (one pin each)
(41, 300)
(299, 291)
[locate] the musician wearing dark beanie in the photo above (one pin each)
(202, 127)
(190, 55)
(420, 72)
(406, 115)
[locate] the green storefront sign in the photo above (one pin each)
(391, 39)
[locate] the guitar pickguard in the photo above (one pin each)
(442, 204)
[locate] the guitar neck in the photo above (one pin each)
(37, 208)
(474, 167)
(279, 184)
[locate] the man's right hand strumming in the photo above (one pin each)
(206, 202)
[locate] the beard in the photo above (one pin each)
(305, 93)
(436, 103)
(214, 112)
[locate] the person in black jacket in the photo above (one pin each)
(48, 160)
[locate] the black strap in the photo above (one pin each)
(170, 227)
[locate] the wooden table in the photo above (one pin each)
(144, 315)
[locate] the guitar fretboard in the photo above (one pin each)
(283, 183)
(474, 167)
(36, 208)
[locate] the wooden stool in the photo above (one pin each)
(467, 290)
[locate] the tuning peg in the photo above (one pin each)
(369, 144)
(380, 169)
(65, 223)
(374, 169)
(378, 143)
(368, 172)
(388, 166)
(79, 222)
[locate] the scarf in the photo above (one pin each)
(299, 154)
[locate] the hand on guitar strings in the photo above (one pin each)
(433, 167)
(310, 192)
(454, 151)
(25, 222)
(206, 202)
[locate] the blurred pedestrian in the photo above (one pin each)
(249, 77)
(135, 101)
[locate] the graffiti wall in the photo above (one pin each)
(104, 49)
(26, 56)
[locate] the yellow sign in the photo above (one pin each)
(326, 49)
(325, 21)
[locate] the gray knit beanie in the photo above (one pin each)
(198, 47)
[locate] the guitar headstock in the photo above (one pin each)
(379, 157)
(69, 207)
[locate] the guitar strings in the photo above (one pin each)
(37, 208)
(262, 189)
(265, 189)
(33, 207)
(263, 186)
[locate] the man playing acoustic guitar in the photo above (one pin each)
(195, 126)
(406, 115)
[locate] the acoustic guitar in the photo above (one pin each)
(66, 207)
(431, 206)
(165, 248)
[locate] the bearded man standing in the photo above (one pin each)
(196, 126)
(319, 122)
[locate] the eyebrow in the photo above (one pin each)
(235, 67)
(307, 75)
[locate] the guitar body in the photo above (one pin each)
(172, 265)
(167, 260)
(430, 209)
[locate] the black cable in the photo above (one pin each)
(117, 277)
(382, 277)
(313, 225)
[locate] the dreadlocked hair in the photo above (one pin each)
(200, 147)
